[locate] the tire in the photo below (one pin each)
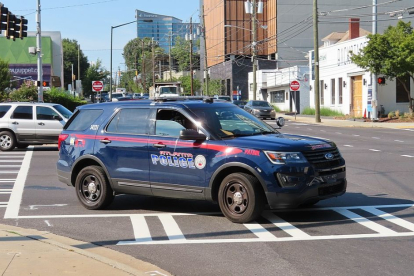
(241, 198)
(93, 189)
(7, 141)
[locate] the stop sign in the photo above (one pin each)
(294, 85)
(97, 86)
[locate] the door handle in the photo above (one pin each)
(15, 123)
(105, 141)
(41, 124)
(159, 145)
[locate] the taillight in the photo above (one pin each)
(62, 137)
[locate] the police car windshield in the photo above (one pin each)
(230, 122)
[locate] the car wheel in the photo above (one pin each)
(240, 197)
(7, 141)
(93, 189)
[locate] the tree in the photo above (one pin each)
(215, 87)
(181, 53)
(95, 72)
(186, 84)
(138, 56)
(70, 56)
(390, 54)
(4, 77)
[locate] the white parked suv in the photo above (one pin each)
(29, 123)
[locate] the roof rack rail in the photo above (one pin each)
(182, 98)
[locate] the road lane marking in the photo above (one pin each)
(338, 133)
(260, 231)
(374, 150)
(33, 207)
(13, 207)
(13, 153)
(284, 225)
(376, 138)
(48, 223)
(399, 141)
(356, 135)
(7, 180)
(349, 146)
(11, 161)
(396, 220)
(409, 156)
(8, 172)
(10, 166)
(171, 228)
(366, 222)
(141, 229)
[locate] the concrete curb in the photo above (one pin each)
(120, 261)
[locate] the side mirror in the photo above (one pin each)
(57, 117)
(191, 134)
(280, 121)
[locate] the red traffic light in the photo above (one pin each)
(381, 80)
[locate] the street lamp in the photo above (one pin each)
(110, 76)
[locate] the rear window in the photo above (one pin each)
(63, 110)
(23, 112)
(4, 109)
(83, 119)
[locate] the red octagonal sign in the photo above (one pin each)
(294, 85)
(97, 86)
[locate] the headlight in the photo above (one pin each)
(256, 110)
(272, 111)
(285, 157)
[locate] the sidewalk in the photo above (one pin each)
(326, 121)
(32, 252)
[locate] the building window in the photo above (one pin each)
(402, 96)
(322, 91)
(333, 92)
(279, 96)
(340, 83)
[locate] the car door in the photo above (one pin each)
(48, 124)
(23, 124)
(123, 148)
(177, 167)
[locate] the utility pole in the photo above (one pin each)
(374, 102)
(191, 55)
(153, 63)
(169, 56)
(39, 54)
(205, 52)
(316, 60)
(143, 78)
(73, 87)
(79, 68)
(254, 29)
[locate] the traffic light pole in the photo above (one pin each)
(39, 54)
(374, 102)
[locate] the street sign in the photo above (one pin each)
(294, 85)
(97, 86)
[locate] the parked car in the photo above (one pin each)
(260, 109)
(240, 103)
(29, 123)
(194, 149)
(116, 96)
(222, 97)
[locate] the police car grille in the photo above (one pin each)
(318, 160)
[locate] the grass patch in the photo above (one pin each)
(323, 112)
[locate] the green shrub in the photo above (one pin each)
(391, 115)
(276, 108)
(323, 112)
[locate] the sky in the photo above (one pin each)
(89, 21)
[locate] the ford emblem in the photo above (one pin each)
(329, 156)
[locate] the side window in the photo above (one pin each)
(23, 112)
(45, 113)
(4, 109)
(130, 121)
(83, 119)
(170, 123)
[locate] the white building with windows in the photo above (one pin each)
(274, 86)
(347, 88)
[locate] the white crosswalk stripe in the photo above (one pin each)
(285, 226)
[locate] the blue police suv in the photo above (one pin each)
(194, 149)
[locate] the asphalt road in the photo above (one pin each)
(367, 231)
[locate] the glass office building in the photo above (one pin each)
(164, 29)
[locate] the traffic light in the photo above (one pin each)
(10, 26)
(21, 27)
(381, 80)
(3, 17)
